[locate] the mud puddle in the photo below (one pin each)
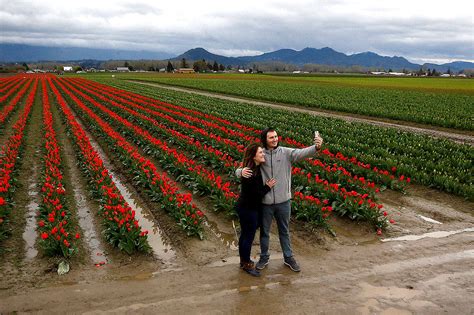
(438, 234)
(86, 222)
(29, 234)
(162, 248)
(422, 210)
(229, 240)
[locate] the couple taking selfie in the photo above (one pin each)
(266, 194)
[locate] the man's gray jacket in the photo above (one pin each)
(278, 165)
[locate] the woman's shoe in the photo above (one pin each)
(249, 268)
(242, 264)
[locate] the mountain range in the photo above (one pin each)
(27, 53)
(323, 56)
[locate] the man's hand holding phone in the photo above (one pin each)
(318, 140)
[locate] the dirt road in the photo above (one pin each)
(466, 137)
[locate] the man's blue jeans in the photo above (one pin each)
(281, 212)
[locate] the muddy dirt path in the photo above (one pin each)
(466, 137)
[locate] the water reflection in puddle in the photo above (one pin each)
(229, 240)
(161, 250)
(428, 219)
(438, 234)
(87, 225)
(29, 235)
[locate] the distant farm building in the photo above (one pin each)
(185, 70)
(396, 73)
(123, 69)
(67, 69)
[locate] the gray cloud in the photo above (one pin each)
(418, 30)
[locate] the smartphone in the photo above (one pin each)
(316, 133)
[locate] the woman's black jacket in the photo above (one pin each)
(252, 191)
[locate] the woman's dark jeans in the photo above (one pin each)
(248, 227)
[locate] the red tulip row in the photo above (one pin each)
(54, 216)
(5, 111)
(121, 228)
(11, 89)
(9, 155)
(6, 81)
(151, 101)
(383, 176)
(159, 186)
(11, 83)
(179, 112)
(356, 205)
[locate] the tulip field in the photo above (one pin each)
(173, 147)
(444, 102)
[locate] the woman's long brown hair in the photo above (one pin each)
(249, 154)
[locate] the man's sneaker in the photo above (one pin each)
(291, 262)
(262, 263)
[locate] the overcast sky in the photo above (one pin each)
(420, 30)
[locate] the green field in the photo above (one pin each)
(436, 85)
(443, 102)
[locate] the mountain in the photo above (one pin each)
(200, 53)
(27, 53)
(453, 66)
(323, 56)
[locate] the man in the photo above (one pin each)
(277, 203)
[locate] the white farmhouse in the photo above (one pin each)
(67, 69)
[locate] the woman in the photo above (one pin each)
(250, 203)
